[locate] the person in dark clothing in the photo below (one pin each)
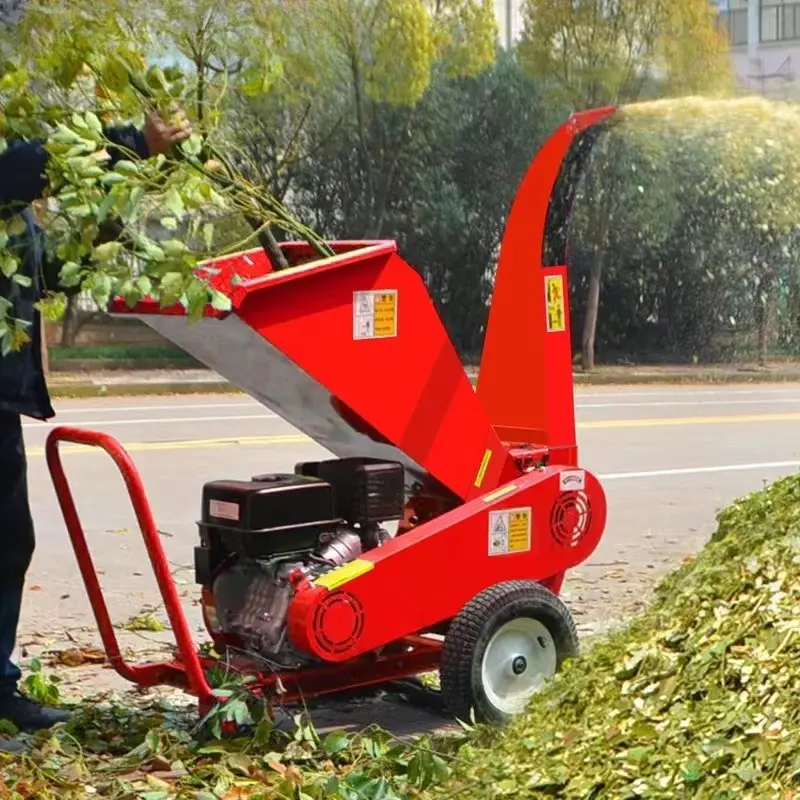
(23, 388)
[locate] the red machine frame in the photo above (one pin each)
(509, 447)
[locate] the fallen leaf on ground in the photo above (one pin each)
(76, 657)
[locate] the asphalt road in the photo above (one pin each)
(669, 458)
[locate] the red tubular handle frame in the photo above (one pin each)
(189, 673)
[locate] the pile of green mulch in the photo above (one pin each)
(699, 697)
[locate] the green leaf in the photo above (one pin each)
(747, 772)
(105, 207)
(112, 178)
(144, 285)
(208, 235)
(156, 79)
(101, 288)
(16, 226)
(692, 772)
(220, 302)
(149, 250)
(94, 122)
(52, 308)
(107, 251)
(170, 288)
(22, 279)
(70, 274)
(8, 264)
(174, 248)
(114, 74)
(336, 741)
(170, 223)
(174, 203)
(132, 206)
(192, 146)
(125, 166)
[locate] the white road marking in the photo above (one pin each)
(613, 391)
(675, 403)
(113, 409)
(102, 423)
(662, 473)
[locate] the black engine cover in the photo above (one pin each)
(273, 516)
(368, 491)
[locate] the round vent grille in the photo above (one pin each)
(338, 623)
(570, 518)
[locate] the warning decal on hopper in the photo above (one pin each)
(554, 295)
(374, 315)
(509, 531)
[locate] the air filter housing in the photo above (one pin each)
(367, 491)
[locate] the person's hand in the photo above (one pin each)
(162, 136)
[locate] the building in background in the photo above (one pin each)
(765, 43)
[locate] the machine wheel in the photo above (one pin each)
(500, 649)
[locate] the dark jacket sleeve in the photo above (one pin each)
(23, 164)
(124, 139)
(22, 178)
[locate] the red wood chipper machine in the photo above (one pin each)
(303, 586)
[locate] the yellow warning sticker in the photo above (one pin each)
(344, 574)
(374, 315)
(554, 295)
(487, 457)
(509, 531)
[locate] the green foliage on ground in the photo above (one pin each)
(696, 698)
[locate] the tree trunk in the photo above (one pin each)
(592, 311)
(68, 327)
(601, 188)
(45, 353)
(766, 316)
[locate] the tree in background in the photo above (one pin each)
(378, 59)
(702, 244)
(591, 53)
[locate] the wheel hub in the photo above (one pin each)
(518, 659)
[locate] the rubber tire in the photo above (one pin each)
(474, 626)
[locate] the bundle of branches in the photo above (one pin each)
(697, 698)
(140, 227)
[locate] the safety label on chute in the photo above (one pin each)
(509, 531)
(374, 315)
(554, 297)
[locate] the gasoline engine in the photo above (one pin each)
(254, 534)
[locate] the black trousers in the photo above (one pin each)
(17, 541)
